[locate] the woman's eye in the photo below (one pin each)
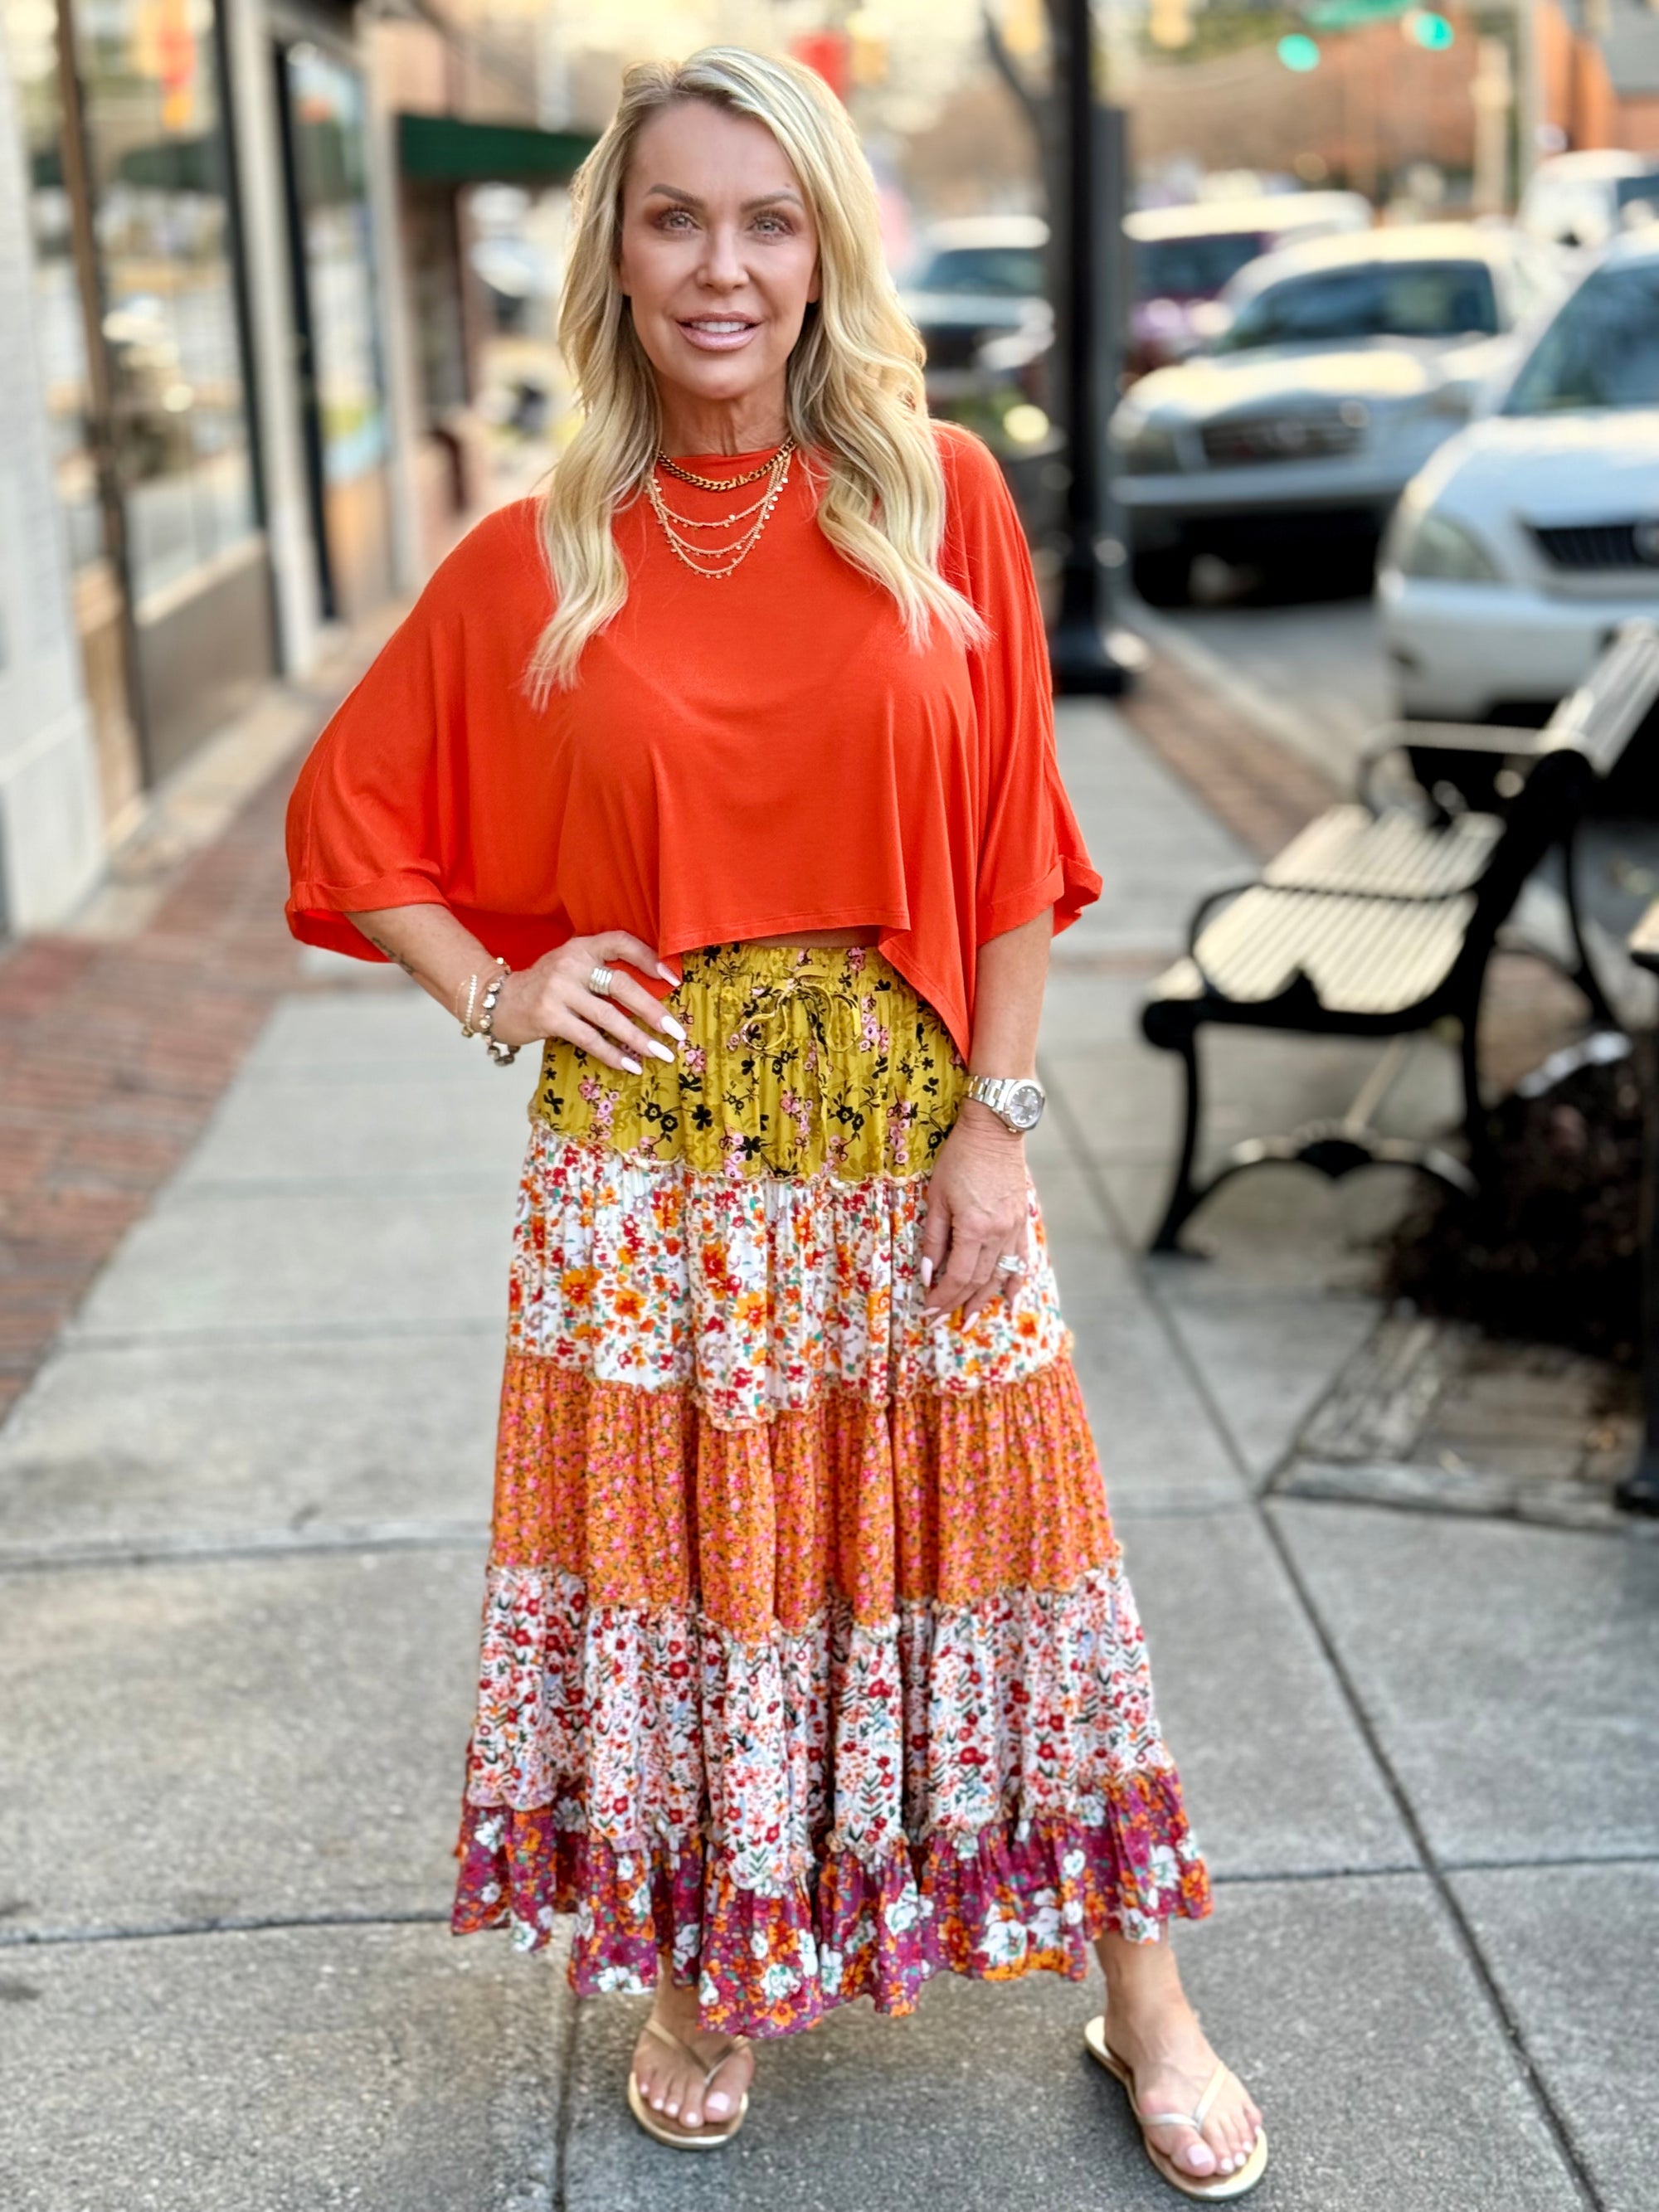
(674, 219)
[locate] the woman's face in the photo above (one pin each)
(720, 255)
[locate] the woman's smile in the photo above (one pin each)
(718, 333)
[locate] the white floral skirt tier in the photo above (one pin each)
(808, 1660)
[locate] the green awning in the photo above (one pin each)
(448, 150)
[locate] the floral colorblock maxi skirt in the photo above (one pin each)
(808, 1658)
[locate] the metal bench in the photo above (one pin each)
(1380, 918)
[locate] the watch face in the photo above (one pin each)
(1025, 1106)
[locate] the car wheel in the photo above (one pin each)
(1162, 579)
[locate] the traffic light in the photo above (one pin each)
(1425, 28)
(829, 53)
(1299, 52)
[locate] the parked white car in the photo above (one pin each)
(1346, 362)
(1523, 543)
(1579, 199)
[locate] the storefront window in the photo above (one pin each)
(162, 214)
(326, 103)
(30, 32)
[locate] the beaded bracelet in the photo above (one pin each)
(470, 986)
(503, 1055)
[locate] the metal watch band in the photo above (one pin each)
(998, 1092)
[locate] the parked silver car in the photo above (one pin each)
(1346, 361)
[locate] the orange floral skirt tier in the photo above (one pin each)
(808, 1660)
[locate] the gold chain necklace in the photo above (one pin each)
(727, 484)
(694, 555)
(720, 522)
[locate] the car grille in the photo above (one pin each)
(1599, 545)
(1285, 437)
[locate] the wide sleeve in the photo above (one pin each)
(1031, 855)
(365, 820)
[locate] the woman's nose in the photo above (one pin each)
(723, 264)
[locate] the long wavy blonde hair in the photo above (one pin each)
(854, 395)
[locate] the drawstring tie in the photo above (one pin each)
(832, 1015)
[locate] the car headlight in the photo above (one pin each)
(1148, 449)
(1421, 543)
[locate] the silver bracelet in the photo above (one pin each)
(503, 1055)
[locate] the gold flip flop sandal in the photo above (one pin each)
(712, 2134)
(1209, 2189)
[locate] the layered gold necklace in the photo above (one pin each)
(696, 555)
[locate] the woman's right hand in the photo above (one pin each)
(552, 999)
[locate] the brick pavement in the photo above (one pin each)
(1260, 790)
(112, 1058)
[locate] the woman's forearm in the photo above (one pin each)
(1007, 1008)
(1008, 997)
(429, 945)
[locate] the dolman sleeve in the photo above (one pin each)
(1031, 854)
(366, 817)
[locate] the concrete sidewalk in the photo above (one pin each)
(242, 1527)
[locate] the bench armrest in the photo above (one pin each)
(1484, 744)
(1207, 907)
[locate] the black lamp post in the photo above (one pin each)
(1082, 651)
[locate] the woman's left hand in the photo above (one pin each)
(976, 1214)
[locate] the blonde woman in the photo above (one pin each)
(724, 772)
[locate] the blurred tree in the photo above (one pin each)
(976, 156)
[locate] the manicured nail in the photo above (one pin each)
(661, 1052)
(673, 1028)
(928, 1275)
(667, 973)
(717, 2104)
(632, 1066)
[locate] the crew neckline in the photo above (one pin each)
(732, 460)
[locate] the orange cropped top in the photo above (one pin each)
(738, 758)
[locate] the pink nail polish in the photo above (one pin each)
(667, 973)
(632, 1066)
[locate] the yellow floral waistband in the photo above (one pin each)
(797, 1059)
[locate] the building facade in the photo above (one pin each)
(237, 413)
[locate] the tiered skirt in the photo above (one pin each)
(808, 1660)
